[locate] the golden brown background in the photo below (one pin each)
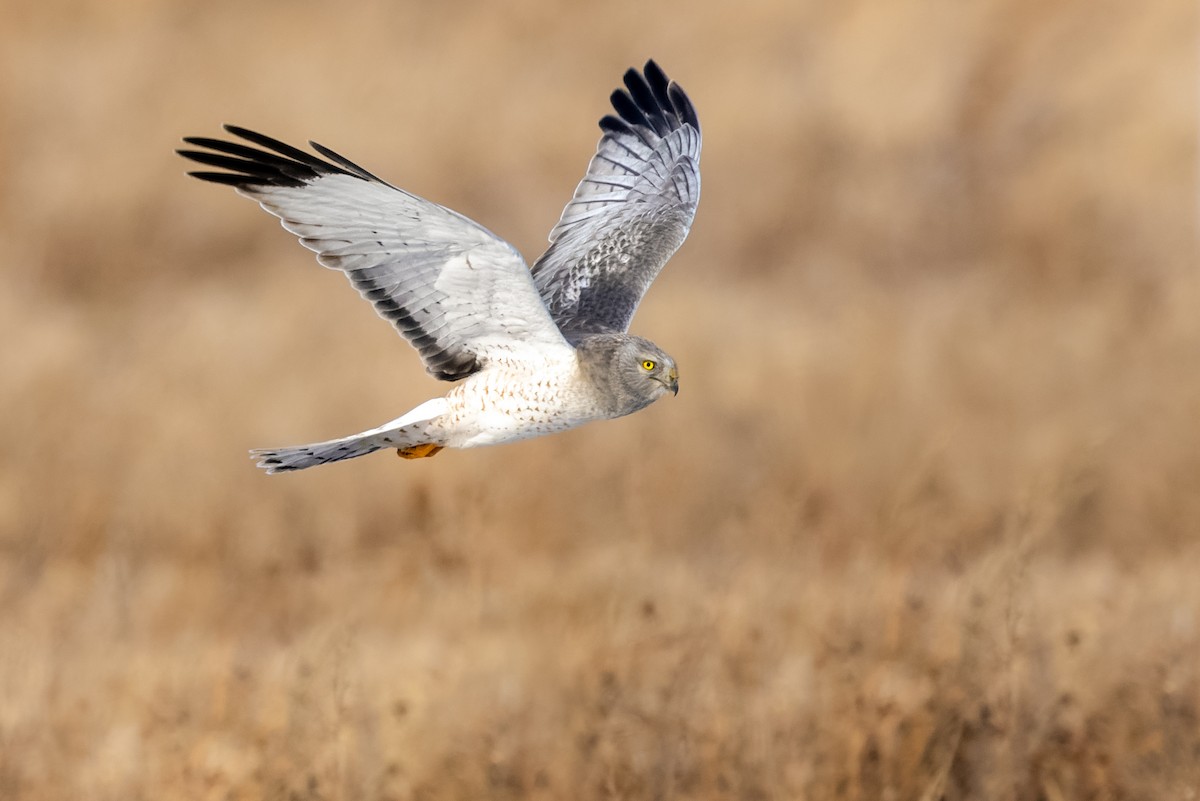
(922, 522)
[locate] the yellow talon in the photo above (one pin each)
(418, 451)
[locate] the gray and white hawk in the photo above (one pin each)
(536, 350)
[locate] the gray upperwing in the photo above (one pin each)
(631, 211)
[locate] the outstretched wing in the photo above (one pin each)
(632, 210)
(456, 291)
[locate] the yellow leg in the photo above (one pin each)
(418, 451)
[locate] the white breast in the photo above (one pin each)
(518, 399)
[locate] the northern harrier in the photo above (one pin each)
(537, 350)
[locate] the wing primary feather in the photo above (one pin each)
(295, 153)
(640, 91)
(647, 102)
(345, 162)
(659, 84)
(613, 125)
(286, 166)
(240, 165)
(236, 149)
(249, 172)
(229, 179)
(628, 109)
(683, 106)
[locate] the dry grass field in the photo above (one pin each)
(923, 522)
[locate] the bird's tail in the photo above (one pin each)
(412, 431)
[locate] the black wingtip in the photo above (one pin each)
(226, 178)
(683, 105)
(344, 162)
(628, 108)
(654, 73)
(271, 163)
(615, 125)
(244, 133)
(649, 100)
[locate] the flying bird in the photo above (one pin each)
(536, 350)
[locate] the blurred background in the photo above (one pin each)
(922, 522)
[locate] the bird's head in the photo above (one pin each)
(628, 372)
(651, 366)
(644, 372)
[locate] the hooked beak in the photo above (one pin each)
(673, 380)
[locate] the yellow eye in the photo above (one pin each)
(648, 365)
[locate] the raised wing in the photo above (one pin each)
(456, 291)
(632, 210)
